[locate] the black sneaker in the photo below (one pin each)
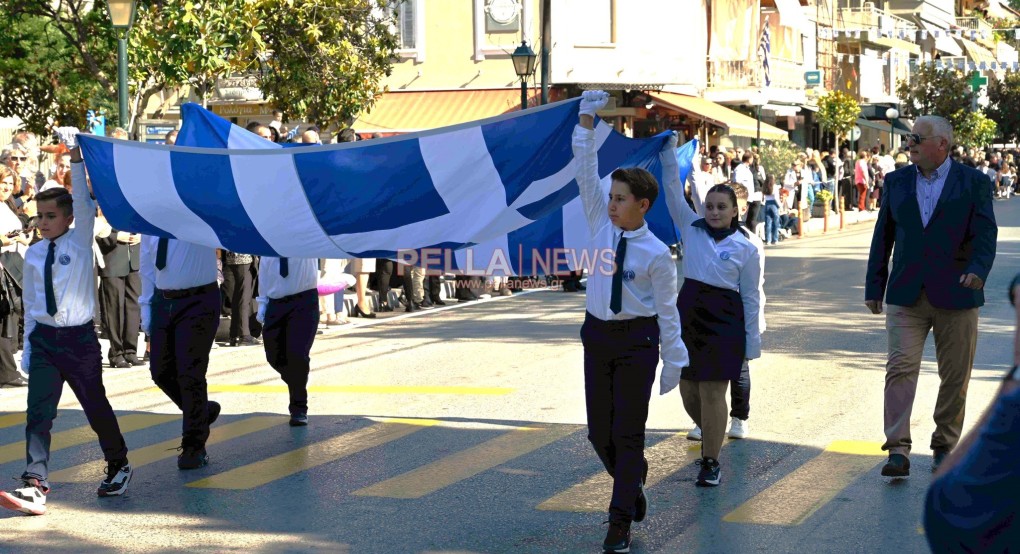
(618, 537)
(709, 474)
(937, 457)
(897, 466)
(193, 457)
(118, 475)
(214, 410)
(298, 420)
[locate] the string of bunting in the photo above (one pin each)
(911, 34)
(956, 62)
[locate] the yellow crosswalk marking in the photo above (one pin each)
(84, 434)
(467, 463)
(664, 459)
(793, 499)
(90, 471)
(367, 389)
(268, 470)
(10, 420)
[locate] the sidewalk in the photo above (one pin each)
(816, 225)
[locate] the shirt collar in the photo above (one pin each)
(940, 172)
(640, 231)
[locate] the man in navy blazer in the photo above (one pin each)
(938, 213)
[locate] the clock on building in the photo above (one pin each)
(502, 16)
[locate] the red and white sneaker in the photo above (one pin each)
(30, 498)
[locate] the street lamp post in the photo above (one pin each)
(122, 16)
(891, 114)
(524, 59)
(757, 100)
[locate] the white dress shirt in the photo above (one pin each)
(744, 176)
(302, 275)
(736, 263)
(652, 290)
(187, 266)
(74, 285)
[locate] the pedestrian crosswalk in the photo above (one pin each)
(243, 463)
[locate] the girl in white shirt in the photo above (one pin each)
(720, 307)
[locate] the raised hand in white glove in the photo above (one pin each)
(146, 318)
(593, 101)
(669, 378)
(261, 314)
(671, 142)
(26, 357)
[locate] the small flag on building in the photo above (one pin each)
(764, 49)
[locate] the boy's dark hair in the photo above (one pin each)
(747, 157)
(739, 190)
(346, 135)
(60, 195)
(642, 183)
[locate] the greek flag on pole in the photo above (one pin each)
(500, 189)
(765, 47)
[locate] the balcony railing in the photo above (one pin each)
(786, 74)
(870, 17)
(984, 29)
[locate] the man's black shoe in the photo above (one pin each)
(439, 302)
(897, 466)
(298, 420)
(18, 381)
(618, 537)
(213, 408)
(119, 362)
(937, 457)
(133, 360)
(193, 457)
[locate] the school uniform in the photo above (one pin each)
(631, 310)
(180, 292)
(60, 337)
(120, 285)
(721, 305)
(289, 307)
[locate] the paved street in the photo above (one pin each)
(461, 429)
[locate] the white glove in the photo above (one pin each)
(671, 143)
(669, 379)
(146, 318)
(593, 101)
(261, 315)
(26, 357)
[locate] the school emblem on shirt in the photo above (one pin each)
(65, 259)
(724, 255)
(628, 275)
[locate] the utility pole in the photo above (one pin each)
(546, 47)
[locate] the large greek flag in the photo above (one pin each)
(496, 195)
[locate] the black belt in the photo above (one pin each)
(620, 324)
(296, 296)
(174, 294)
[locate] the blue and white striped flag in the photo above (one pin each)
(497, 189)
(764, 49)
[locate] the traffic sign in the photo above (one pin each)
(812, 78)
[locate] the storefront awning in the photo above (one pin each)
(735, 123)
(406, 112)
(977, 53)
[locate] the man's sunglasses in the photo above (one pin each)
(915, 138)
(19, 158)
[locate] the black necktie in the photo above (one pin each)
(284, 268)
(161, 253)
(51, 298)
(616, 300)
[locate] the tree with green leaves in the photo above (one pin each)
(838, 112)
(933, 91)
(976, 130)
(1004, 106)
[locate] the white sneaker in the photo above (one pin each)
(738, 428)
(694, 434)
(30, 498)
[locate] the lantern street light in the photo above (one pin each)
(122, 16)
(524, 59)
(891, 114)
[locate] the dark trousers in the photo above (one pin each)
(8, 367)
(432, 288)
(183, 330)
(121, 313)
(288, 334)
(619, 368)
(384, 276)
(740, 394)
(240, 299)
(72, 355)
